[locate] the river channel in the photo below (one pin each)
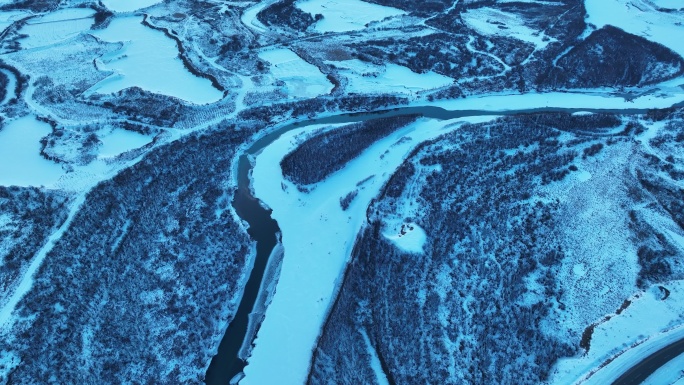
(228, 364)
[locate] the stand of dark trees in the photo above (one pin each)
(321, 155)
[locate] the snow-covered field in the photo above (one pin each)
(128, 5)
(639, 18)
(409, 237)
(302, 80)
(346, 15)
(20, 160)
(118, 141)
(317, 234)
(56, 27)
(313, 266)
(149, 60)
(22, 165)
(389, 78)
(580, 100)
(490, 21)
(596, 224)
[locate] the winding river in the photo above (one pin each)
(228, 364)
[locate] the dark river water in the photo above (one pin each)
(263, 230)
(227, 364)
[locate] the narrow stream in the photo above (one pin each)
(227, 364)
(263, 230)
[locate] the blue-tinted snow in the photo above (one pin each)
(20, 161)
(128, 5)
(149, 60)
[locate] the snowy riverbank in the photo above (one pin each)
(313, 265)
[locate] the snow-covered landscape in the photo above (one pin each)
(20, 162)
(454, 192)
(345, 16)
(301, 78)
(134, 66)
(309, 279)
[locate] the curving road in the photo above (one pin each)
(640, 372)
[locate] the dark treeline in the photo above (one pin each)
(323, 154)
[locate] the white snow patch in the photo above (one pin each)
(56, 27)
(317, 237)
(149, 60)
(66, 14)
(118, 141)
(151, 296)
(380, 376)
(87, 344)
(20, 161)
(5, 219)
(582, 175)
(595, 224)
(491, 21)
(346, 15)
(128, 5)
(579, 269)
(368, 78)
(639, 18)
(302, 80)
(535, 290)
(407, 236)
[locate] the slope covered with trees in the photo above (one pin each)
(143, 283)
